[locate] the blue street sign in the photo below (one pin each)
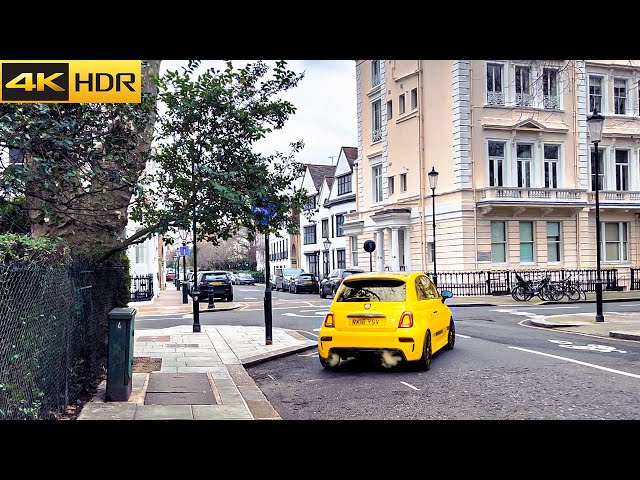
(183, 251)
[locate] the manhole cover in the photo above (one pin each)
(179, 389)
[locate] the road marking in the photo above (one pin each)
(578, 362)
(271, 377)
(316, 311)
(410, 386)
(249, 298)
(300, 316)
(462, 336)
(308, 354)
(591, 346)
(553, 308)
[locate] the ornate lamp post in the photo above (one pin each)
(326, 244)
(595, 123)
(433, 183)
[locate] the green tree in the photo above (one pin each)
(209, 169)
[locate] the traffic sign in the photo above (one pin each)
(183, 251)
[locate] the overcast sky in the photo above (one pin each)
(326, 109)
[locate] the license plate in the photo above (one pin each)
(215, 283)
(366, 322)
(308, 281)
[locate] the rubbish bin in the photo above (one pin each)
(120, 362)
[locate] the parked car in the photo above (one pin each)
(189, 281)
(218, 281)
(283, 278)
(305, 282)
(171, 276)
(272, 282)
(245, 279)
(330, 284)
(394, 317)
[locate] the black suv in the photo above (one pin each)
(330, 284)
(218, 281)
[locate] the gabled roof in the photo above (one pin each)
(351, 153)
(330, 181)
(319, 172)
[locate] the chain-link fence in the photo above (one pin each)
(53, 335)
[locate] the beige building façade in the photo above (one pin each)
(510, 142)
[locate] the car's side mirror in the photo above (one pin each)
(446, 294)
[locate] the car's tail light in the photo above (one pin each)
(338, 280)
(406, 320)
(328, 320)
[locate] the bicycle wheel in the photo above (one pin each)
(520, 293)
(573, 293)
(555, 292)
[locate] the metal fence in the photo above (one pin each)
(635, 279)
(53, 335)
(500, 282)
(142, 288)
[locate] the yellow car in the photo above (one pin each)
(397, 316)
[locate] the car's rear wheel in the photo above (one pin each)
(323, 294)
(330, 363)
(451, 338)
(230, 298)
(424, 363)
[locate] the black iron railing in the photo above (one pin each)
(635, 279)
(142, 288)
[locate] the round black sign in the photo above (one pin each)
(369, 246)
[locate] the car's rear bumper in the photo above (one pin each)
(219, 291)
(407, 343)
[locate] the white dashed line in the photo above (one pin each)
(410, 386)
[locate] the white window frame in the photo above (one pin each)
(602, 172)
(622, 241)
(555, 244)
(403, 182)
(603, 96)
(527, 166)
(376, 73)
(622, 168)
(376, 133)
(390, 185)
(389, 110)
(414, 98)
(402, 104)
(376, 183)
(625, 97)
(354, 250)
(496, 159)
(494, 97)
(141, 252)
(502, 242)
(547, 102)
(526, 98)
(531, 242)
(550, 161)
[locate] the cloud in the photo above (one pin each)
(325, 100)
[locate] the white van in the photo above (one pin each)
(284, 276)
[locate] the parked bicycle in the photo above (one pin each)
(571, 288)
(525, 290)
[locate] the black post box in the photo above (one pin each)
(120, 363)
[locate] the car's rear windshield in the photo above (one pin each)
(291, 272)
(346, 273)
(246, 275)
(215, 276)
(308, 276)
(373, 290)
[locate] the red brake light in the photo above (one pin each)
(406, 320)
(328, 320)
(339, 280)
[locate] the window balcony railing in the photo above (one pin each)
(524, 99)
(375, 80)
(552, 194)
(551, 102)
(615, 196)
(495, 98)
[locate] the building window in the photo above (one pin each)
(620, 96)
(551, 159)
(616, 241)
(325, 228)
(495, 95)
(524, 158)
(390, 186)
(553, 242)
(403, 182)
(389, 110)
(551, 99)
(622, 170)
(376, 175)
(496, 164)
(526, 242)
(313, 261)
(401, 105)
(311, 203)
(595, 93)
(414, 98)
(341, 258)
(309, 234)
(523, 87)
(498, 242)
(600, 169)
(344, 184)
(339, 223)
(354, 251)
(430, 252)
(141, 252)
(375, 73)
(376, 121)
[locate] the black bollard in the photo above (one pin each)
(211, 304)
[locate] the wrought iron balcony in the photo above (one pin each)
(524, 99)
(495, 98)
(376, 135)
(551, 102)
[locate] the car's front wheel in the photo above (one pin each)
(451, 337)
(424, 363)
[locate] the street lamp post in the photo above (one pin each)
(433, 183)
(195, 292)
(268, 305)
(326, 244)
(595, 123)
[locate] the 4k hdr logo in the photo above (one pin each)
(74, 81)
